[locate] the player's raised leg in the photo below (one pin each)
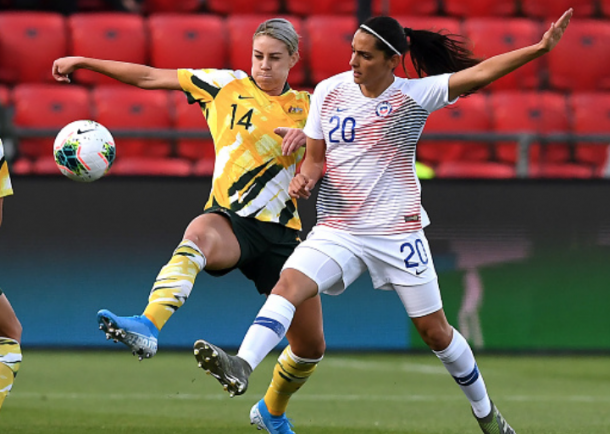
(169, 292)
(265, 333)
(208, 241)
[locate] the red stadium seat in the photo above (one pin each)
(229, 7)
(115, 36)
(560, 170)
(148, 166)
(591, 115)
(492, 36)
(190, 118)
(405, 7)
(187, 41)
(474, 169)
(580, 61)
(432, 23)
(123, 107)
(480, 8)
(467, 115)
(29, 43)
(322, 7)
(161, 6)
(242, 27)
(22, 166)
(553, 9)
(530, 112)
(330, 44)
(47, 106)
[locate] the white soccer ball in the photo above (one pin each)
(84, 151)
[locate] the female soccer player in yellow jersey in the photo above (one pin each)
(250, 222)
(10, 328)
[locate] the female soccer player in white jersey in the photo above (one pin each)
(10, 327)
(250, 222)
(364, 125)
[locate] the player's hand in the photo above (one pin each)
(555, 32)
(63, 67)
(293, 139)
(300, 186)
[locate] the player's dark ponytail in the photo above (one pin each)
(432, 53)
(435, 53)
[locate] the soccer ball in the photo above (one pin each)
(84, 151)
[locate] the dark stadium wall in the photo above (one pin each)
(522, 265)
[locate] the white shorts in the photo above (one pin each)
(334, 259)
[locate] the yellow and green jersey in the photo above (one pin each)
(251, 176)
(5, 180)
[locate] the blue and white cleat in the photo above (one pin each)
(260, 416)
(137, 332)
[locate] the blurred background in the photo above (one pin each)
(518, 196)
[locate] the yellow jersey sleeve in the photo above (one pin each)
(6, 188)
(203, 85)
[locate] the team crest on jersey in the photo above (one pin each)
(383, 109)
(295, 110)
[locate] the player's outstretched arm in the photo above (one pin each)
(312, 169)
(142, 76)
(498, 66)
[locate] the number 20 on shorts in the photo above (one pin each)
(411, 250)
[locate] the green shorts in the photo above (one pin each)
(264, 248)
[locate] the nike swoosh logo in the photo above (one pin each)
(244, 97)
(418, 272)
(79, 131)
(340, 109)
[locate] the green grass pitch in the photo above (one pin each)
(111, 392)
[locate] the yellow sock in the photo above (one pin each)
(289, 374)
(174, 283)
(10, 360)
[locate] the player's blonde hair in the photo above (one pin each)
(282, 30)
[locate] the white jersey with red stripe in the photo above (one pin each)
(370, 185)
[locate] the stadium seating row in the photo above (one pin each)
(459, 8)
(30, 41)
(121, 107)
(157, 166)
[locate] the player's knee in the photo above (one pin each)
(317, 349)
(437, 338)
(283, 288)
(290, 290)
(312, 349)
(294, 288)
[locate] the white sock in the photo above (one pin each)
(267, 330)
(459, 361)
